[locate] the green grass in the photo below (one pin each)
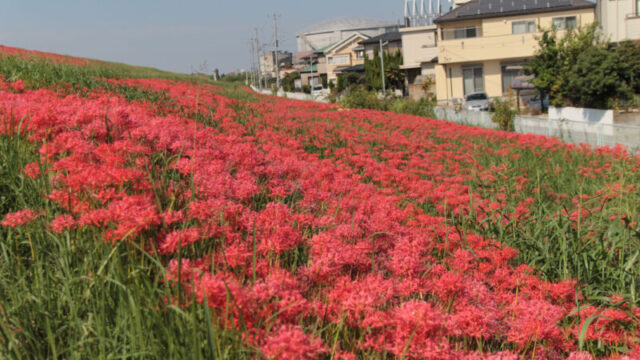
(38, 72)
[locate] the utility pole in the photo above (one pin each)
(258, 57)
(252, 61)
(384, 89)
(275, 54)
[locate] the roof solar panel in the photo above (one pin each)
(484, 7)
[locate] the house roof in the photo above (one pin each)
(390, 36)
(354, 68)
(346, 24)
(349, 39)
(483, 9)
(324, 49)
(313, 69)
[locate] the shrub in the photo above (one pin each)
(422, 107)
(360, 98)
(502, 114)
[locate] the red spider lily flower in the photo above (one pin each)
(291, 343)
(19, 218)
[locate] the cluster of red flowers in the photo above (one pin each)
(22, 53)
(298, 223)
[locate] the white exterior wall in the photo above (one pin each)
(619, 19)
(419, 45)
(581, 114)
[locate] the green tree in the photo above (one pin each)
(556, 57)
(394, 75)
(288, 81)
(348, 79)
(503, 114)
(629, 55)
(596, 79)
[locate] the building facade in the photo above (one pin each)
(483, 45)
(344, 55)
(420, 56)
(268, 61)
(619, 19)
(391, 43)
(313, 43)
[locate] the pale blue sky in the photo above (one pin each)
(171, 34)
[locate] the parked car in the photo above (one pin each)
(533, 102)
(317, 90)
(477, 102)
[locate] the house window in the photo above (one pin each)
(464, 33)
(473, 80)
(339, 60)
(524, 27)
(638, 7)
(565, 23)
(461, 33)
(360, 53)
(510, 71)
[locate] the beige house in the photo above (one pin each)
(344, 54)
(619, 19)
(313, 68)
(483, 44)
(420, 56)
(268, 61)
(391, 43)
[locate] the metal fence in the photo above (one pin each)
(575, 132)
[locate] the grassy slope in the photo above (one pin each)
(66, 297)
(61, 297)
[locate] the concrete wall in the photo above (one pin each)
(582, 115)
(473, 118)
(294, 95)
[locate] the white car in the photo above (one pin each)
(317, 90)
(477, 102)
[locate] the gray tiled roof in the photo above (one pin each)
(346, 24)
(481, 9)
(390, 36)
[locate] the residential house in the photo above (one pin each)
(420, 56)
(313, 42)
(312, 67)
(391, 43)
(268, 60)
(483, 44)
(330, 32)
(619, 19)
(344, 56)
